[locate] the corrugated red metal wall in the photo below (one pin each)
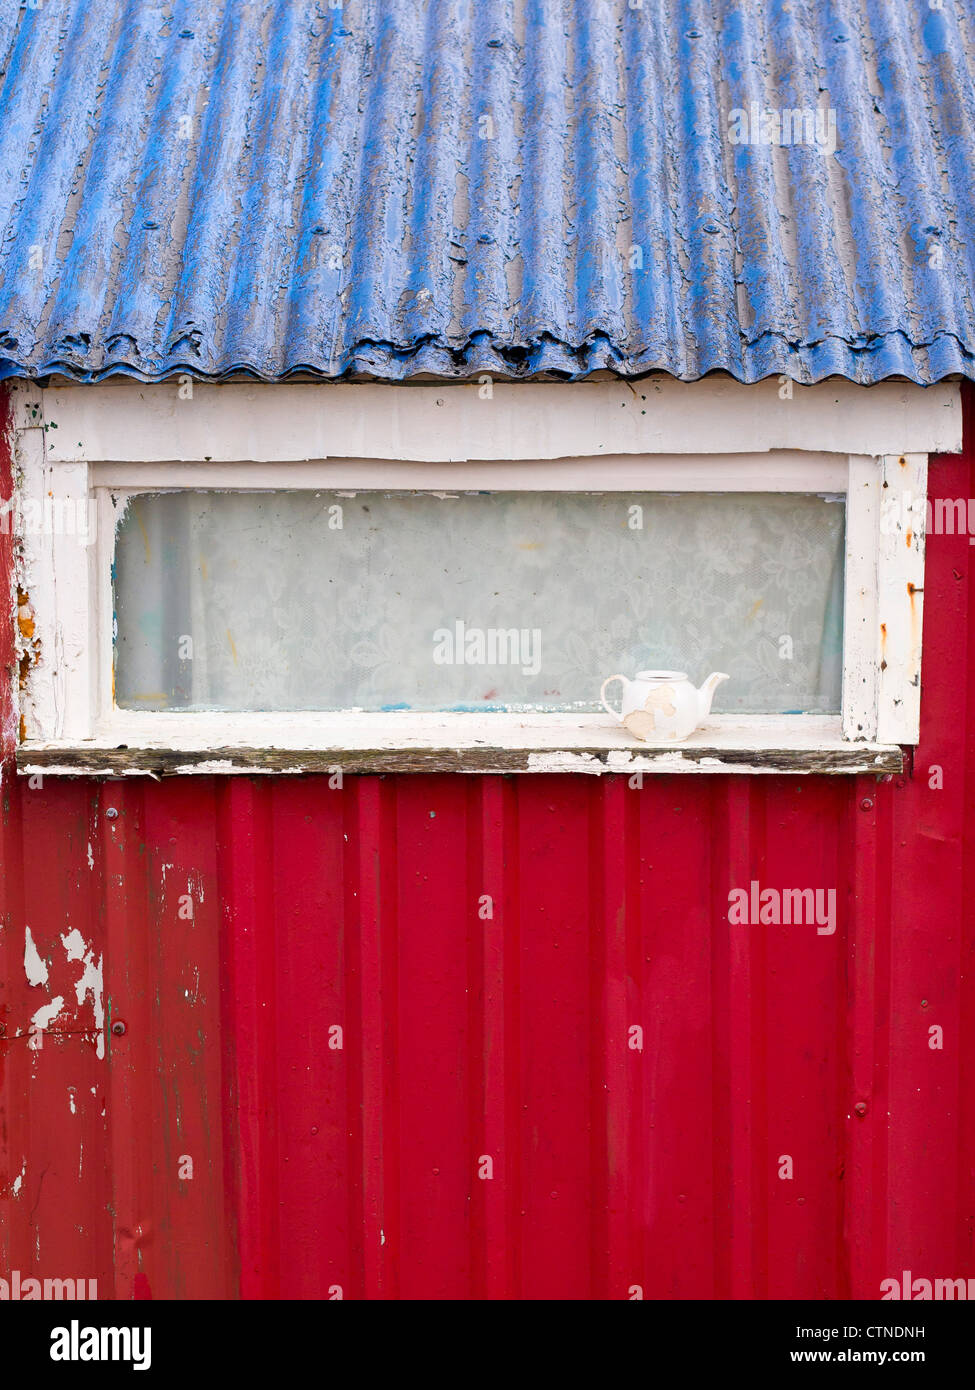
(468, 1037)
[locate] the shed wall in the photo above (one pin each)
(318, 1168)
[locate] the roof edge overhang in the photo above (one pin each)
(887, 357)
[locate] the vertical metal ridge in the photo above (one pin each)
(956, 608)
(178, 852)
(637, 1156)
(595, 186)
(388, 845)
(735, 965)
(374, 914)
(353, 1019)
(268, 179)
(494, 1234)
(868, 944)
(15, 1092)
(237, 1233)
(725, 870)
(760, 794)
(245, 836)
(613, 1065)
(481, 1026)
(489, 64)
(514, 1039)
(200, 280)
(599, 1047)
(110, 186)
(843, 1042)
(128, 1002)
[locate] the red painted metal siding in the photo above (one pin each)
(505, 1037)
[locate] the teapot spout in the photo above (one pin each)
(706, 693)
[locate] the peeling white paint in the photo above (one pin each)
(91, 857)
(71, 1104)
(557, 741)
(34, 967)
(92, 982)
(900, 601)
(42, 1019)
(74, 944)
(19, 1179)
(131, 422)
(213, 765)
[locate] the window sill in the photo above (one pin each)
(165, 745)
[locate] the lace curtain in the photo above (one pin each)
(300, 600)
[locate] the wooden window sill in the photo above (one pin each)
(165, 745)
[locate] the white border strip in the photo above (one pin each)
(900, 597)
(860, 599)
(793, 471)
(199, 423)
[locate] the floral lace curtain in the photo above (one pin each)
(300, 600)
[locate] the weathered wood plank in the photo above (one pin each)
(699, 758)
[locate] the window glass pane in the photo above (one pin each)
(301, 600)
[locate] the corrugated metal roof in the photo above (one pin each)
(508, 186)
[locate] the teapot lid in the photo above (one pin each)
(661, 676)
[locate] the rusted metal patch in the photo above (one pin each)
(28, 648)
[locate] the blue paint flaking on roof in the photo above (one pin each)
(393, 188)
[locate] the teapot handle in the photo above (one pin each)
(602, 697)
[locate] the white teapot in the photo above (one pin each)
(662, 706)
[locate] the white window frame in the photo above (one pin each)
(119, 441)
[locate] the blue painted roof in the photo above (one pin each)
(404, 187)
